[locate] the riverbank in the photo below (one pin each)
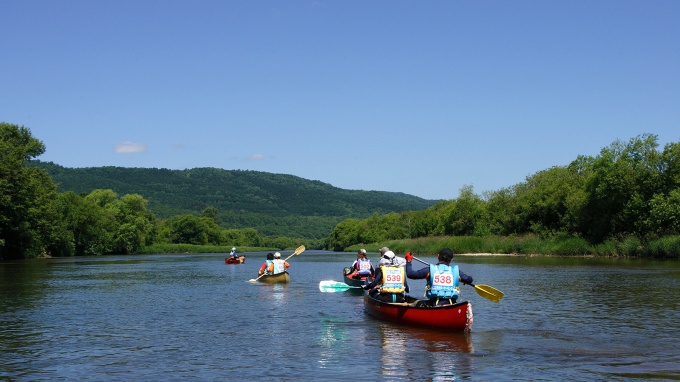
(663, 248)
(530, 245)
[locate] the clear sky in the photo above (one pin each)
(420, 97)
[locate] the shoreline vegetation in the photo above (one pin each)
(529, 245)
(194, 248)
(625, 202)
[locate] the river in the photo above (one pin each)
(170, 317)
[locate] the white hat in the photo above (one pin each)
(362, 251)
(277, 255)
(233, 248)
(389, 254)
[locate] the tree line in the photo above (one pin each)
(36, 220)
(629, 192)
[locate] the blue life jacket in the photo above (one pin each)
(266, 269)
(443, 282)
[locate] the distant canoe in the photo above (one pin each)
(449, 318)
(230, 260)
(279, 278)
(349, 280)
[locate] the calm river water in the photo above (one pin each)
(191, 317)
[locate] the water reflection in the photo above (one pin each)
(394, 355)
(433, 341)
(336, 338)
(423, 354)
(275, 293)
(448, 354)
(344, 333)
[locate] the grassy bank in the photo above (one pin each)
(192, 248)
(667, 247)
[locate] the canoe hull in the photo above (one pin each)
(352, 281)
(240, 260)
(279, 278)
(449, 318)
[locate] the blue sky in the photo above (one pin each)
(405, 96)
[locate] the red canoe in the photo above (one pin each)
(351, 281)
(230, 260)
(451, 318)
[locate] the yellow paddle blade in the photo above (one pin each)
(298, 251)
(489, 293)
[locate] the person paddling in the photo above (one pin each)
(390, 283)
(362, 266)
(265, 266)
(442, 278)
(278, 266)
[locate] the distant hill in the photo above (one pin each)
(273, 204)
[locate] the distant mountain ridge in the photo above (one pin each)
(273, 204)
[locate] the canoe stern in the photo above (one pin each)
(454, 318)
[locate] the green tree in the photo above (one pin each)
(187, 229)
(670, 167)
(26, 196)
(465, 214)
(136, 225)
(665, 204)
(665, 214)
(498, 212)
(624, 179)
(345, 233)
(549, 202)
(252, 238)
(190, 229)
(92, 224)
(211, 213)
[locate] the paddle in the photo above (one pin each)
(334, 286)
(298, 251)
(488, 292)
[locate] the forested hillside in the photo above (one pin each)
(273, 204)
